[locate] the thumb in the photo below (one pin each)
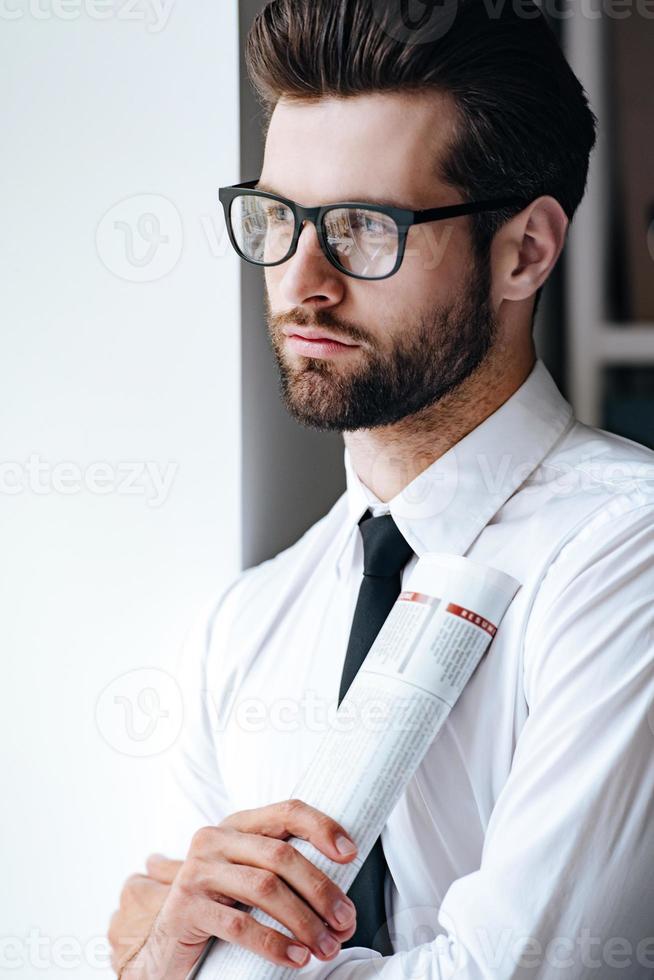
(162, 869)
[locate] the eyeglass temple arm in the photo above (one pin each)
(471, 207)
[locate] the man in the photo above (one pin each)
(523, 844)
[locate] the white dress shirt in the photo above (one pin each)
(524, 844)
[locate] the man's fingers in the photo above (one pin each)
(162, 869)
(265, 891)
(294, 818)
(241, 928)
(303, 877)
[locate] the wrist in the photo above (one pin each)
(159, 957)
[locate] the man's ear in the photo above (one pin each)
(526, 249)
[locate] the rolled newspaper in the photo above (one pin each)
(422, 658)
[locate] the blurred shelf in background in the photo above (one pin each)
(610, 255)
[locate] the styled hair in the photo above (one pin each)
(523, 122)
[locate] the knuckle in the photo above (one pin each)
(325, 824)
(235, 925)
(193, 867)
(186, 879)
(193, 876)
(323, 888)
(265, 884)
(202, 838)
(293, 807)
(281, 852)
(271, 944)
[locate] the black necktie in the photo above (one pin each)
(385, 553)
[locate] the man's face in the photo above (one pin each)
(410, 339)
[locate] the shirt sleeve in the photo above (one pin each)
(193, 793)
(565, 887)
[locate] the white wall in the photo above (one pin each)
(98, 579)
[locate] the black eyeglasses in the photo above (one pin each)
(362, 240)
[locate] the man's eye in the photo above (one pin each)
(368, 225)
(278, 214)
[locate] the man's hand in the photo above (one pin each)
(247, 859)
(140, 900)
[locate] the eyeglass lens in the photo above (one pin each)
(362, 242)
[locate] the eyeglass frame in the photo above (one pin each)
(404, 219)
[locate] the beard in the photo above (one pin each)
(429, 359)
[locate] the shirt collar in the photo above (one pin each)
(447, 505)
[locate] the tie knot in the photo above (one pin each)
(385, 549)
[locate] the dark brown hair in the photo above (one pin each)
(524, 125)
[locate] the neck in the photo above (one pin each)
(388, 458)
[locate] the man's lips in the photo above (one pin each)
(315, 343)
(309, 333)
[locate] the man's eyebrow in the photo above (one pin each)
(269, 190)
(391, 202)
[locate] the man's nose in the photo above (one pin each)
(308, 276)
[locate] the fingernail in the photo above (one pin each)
(344, 845)
(343, 911)
(328, 945)
(297, 953)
